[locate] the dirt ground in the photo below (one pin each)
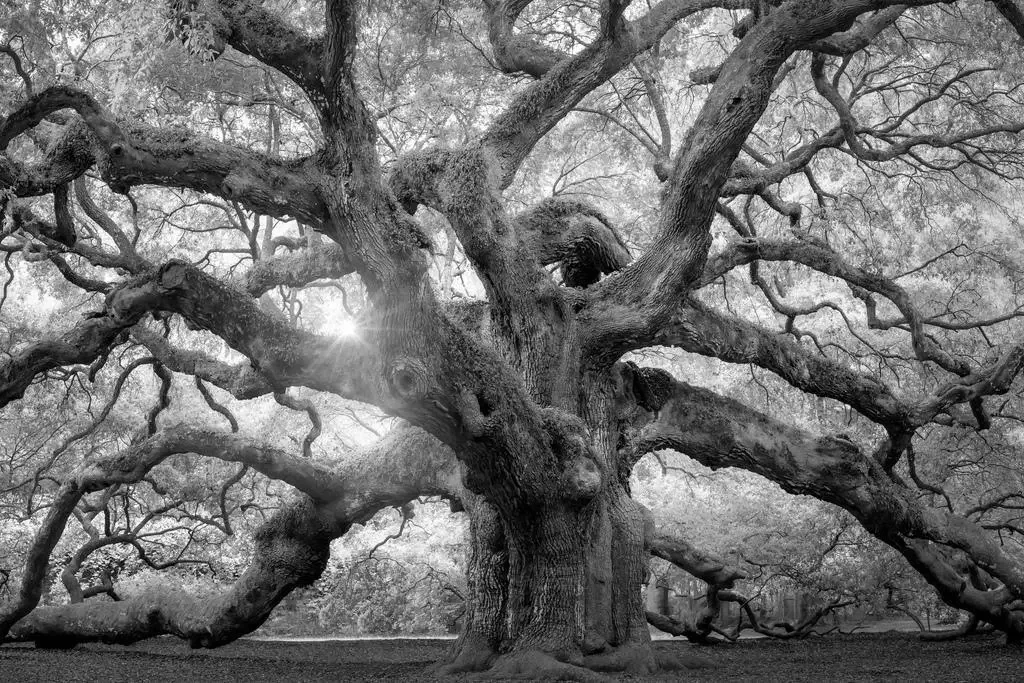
(873, 657)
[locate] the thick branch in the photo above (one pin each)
(699, 563)
(256, 31)
(135, 155)
(291, 551)
(298, 268)
(240, 380)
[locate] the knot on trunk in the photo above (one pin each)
(172, 275)
(576, 235)
(414, 176)
(580, 477)
(651, 387)
(408, 379)
(476, 413)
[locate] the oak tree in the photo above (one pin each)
(822, 132)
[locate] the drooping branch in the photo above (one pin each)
(19, 68)
(702, 330)
(699, 329)
(720, 432)
(132, 466)
(240, 380)
(307, 406)
(37, 560)
(49, 243)
(103, 219)
(291, 548)
(824, 260)
(713, 570)
(404, 464)
(291, 551)
(786, 631)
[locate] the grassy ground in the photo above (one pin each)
(870, 657)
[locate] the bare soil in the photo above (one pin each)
(872, 657)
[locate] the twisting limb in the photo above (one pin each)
(291, 551)
(104, 413)
(38, 557)
(851, 129)
(222, 498)
(825, 260)
(577, 236)
(700, 329)
(103, 219)
(786, 631)
(699, 563)
(307, 406)
(715, 571)
(19, 68)
(840, 44)
(517, 52)
(214, 405)
(163, 396)
(861, 35)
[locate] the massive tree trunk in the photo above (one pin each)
(562, 580)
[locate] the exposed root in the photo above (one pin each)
(535, 665)
(642, 659)
(633, 659)
(966, 629)
(678, 661)
(471, 657)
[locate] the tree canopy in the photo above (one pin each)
(551, 239)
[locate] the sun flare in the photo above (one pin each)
(346, 327)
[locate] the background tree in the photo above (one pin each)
(835, 213)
